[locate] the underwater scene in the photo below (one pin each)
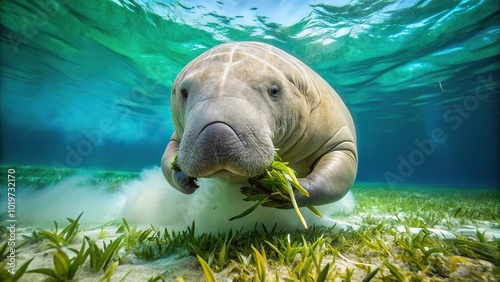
(149, 140)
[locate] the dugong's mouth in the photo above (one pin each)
(218, 148)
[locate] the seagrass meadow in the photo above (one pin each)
(408, 233)
(85, 117)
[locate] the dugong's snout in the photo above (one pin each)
(217, 148)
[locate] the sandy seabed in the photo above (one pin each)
(447, 213)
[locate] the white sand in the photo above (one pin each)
(150, 200)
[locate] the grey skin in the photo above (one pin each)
(237, 102)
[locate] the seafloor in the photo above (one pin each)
(409, 233)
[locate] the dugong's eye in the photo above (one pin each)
(274, 91)
(184, 94)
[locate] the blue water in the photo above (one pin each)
(86, 84)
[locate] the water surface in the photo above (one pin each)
(85, 84)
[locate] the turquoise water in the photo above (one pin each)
(419, 77)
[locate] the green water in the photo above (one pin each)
(404, 69)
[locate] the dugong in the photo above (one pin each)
(237, 103)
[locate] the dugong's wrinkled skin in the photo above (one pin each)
(237, 102)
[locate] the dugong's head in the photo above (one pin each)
(233, 105)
